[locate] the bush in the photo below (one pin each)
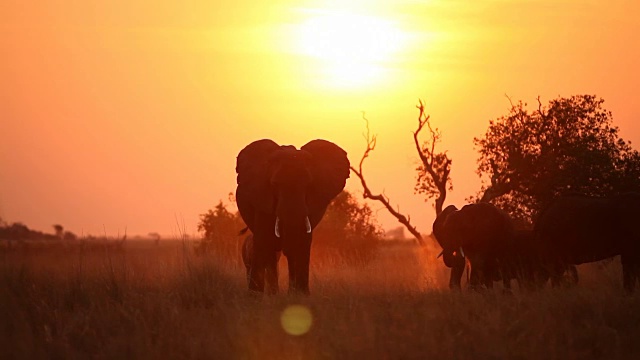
(348, 231)
(221, 232)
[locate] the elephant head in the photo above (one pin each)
(282, 195)
(452, 258)
(478, 232)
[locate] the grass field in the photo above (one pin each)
(142, 300)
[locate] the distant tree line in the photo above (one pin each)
(19, 231)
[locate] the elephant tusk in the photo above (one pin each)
(461, 251)
(277, 229)
(308, 224)
(439, 255)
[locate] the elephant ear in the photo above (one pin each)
(329, 168)
(254, 192)
(438, 224)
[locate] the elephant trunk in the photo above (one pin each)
(307, 225)
(455, 278)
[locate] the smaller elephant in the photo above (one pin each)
(271, 273)
(479, 233)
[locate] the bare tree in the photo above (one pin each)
(367, 194)
(433, 172)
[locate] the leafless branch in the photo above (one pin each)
(427, 154)
(367, 194)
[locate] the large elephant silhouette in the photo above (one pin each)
(574, 230)
(282, 195)
(480, 233)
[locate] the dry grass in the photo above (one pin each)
(143, 301)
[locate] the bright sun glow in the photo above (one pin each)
(355, 49)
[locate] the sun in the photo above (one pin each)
(353, 49)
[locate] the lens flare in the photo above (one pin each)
(296, 320)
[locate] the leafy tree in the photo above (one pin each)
(527, 158)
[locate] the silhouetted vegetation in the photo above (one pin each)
(158, 302)
(347, 231)
(433, 178)
(527, 158)
(220, 230)
(19, 231)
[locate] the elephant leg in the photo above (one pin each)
(532, 277)
(298, 274)
(456, 276)
(248, 256)
(271, 274)
(480, 275)
(573, 274)
(506, 283)
(474, 278)
(256, 277)
(630, 272)
(487, 279)
(556, 273)
(248, 267)
(257, 266)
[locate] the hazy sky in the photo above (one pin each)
(129, 114)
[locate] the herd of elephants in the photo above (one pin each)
(283, 193)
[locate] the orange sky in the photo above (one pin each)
(129, 114)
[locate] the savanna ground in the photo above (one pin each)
(141, 300)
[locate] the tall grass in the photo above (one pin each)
(162, 302)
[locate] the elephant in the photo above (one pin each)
(454, 260)
(282, 195)
(576, 229)
(479, 233)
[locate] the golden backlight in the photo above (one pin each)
(353, 49)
